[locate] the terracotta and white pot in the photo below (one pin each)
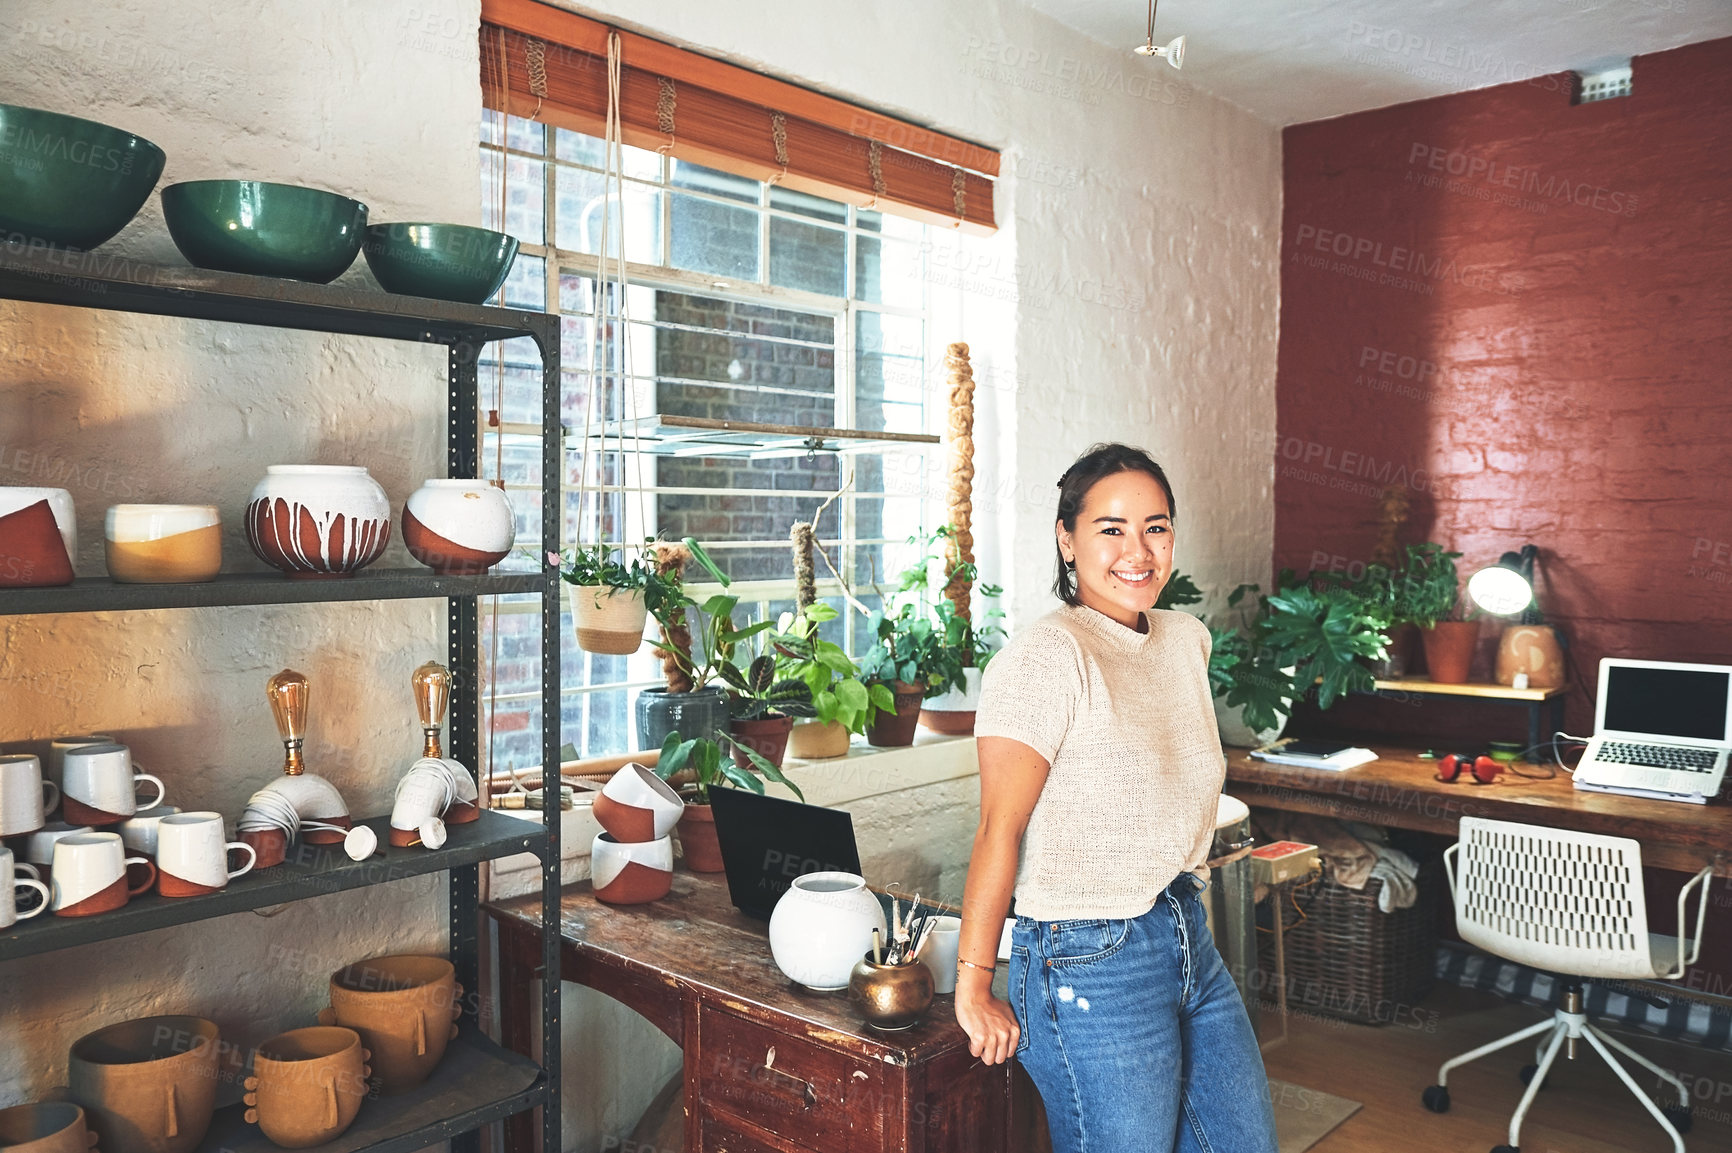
(630, 873)
(821, 926)
(609, 621)
(163, 543)
(148, 1085)
(636, 805)
(318, 520)
(952, 711)
(817, 740)
(459, 527)
(38, 537)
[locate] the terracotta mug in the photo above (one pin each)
(307, 1085)
(45, 1127)
(99, 785)
(26, 798)
(9, 914)
(148, 1085)
(90, 875)
(192, 856)
(406, 1010)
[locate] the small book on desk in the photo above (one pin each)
(1314, 754)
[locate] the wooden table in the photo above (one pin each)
(1401, 790)
(701, 972)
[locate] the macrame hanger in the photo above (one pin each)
(779, 142)
(667, 96)
(535, 64)
(875, 169)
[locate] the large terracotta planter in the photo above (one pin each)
(609, 621)
(894, 730)
(1449, 647)
(458, 527)
(766, 736)
(307, 1085)
(148, 1085)
(405, 1008)
(1530, 649)
(315, 520)
(698, 842)
(817, 740)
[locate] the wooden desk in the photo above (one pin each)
(1401, 790)
(701, 973)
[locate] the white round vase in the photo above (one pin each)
(318, 520)
(459, 527)
(821, 926)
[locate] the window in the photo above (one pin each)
(744, 301)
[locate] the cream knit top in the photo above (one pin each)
(1126, 722)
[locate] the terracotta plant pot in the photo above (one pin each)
(766, 736)
(314, 520)
(1449, 649)
(698, 842)
(894, 730)
(38, 537)
(609, 621)
(816, 740)
(405, 1008)
(952, 711)
(636, 805)
(1530, 649)
(307, 1085)
(1399, 658)
(45, 1127)
(458, 527)
(950, 722)
(630, 873)
(148, 1085)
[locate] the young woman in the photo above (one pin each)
(1100, 763)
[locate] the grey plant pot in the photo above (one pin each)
(693, 714)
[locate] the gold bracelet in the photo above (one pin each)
(972, 965)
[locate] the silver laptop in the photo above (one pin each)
(1661, 729)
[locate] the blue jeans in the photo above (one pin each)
(1134, 1033)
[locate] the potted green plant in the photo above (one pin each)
(1429, 596)
(611, 598)
(763, 707)
(690, 704)
(963, 650)
(842, 704)
(697, 764)
(904, 662)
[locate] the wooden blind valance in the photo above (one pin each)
(547, 64)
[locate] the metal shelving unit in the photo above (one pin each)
(478, 1082)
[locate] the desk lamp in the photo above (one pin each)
(1529, 654)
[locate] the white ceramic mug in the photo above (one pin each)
(54, 769)
(102, 778)
(941, 953)
(192, 855)
(9, 914)
(138, 832)
(89, 874)
(39, 849)
(26, 798)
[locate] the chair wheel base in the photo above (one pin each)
(1528, 1072)
(1436, 1098)
(1679, 1116)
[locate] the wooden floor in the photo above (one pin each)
(1583, 1109)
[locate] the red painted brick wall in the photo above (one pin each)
(1521, 309)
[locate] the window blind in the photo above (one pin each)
(550, 65)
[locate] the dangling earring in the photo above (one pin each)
(1070, 565)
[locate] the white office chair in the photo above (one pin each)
(1572, 904)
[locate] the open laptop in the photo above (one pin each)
(1661, 729)
(766, 842)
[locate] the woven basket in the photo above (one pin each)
(1350, 961)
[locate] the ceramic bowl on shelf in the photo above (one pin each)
(69, 181)
(163, 543)
(459, 527)
(264, 229)
(318, 520)
(444, 261)
(38, 537)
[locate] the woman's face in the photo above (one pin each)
(1123, 545)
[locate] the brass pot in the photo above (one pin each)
(891, 997)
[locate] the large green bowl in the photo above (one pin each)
(68, 181)
(444, 261)
(264, 229)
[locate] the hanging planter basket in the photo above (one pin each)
(609, 621)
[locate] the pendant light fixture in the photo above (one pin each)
(1174, 50)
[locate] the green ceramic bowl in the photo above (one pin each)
(264, 229)
(68, 181)
(444, 261)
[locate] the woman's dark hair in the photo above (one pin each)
(1079, 478)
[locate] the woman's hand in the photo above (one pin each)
(991, 1026)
